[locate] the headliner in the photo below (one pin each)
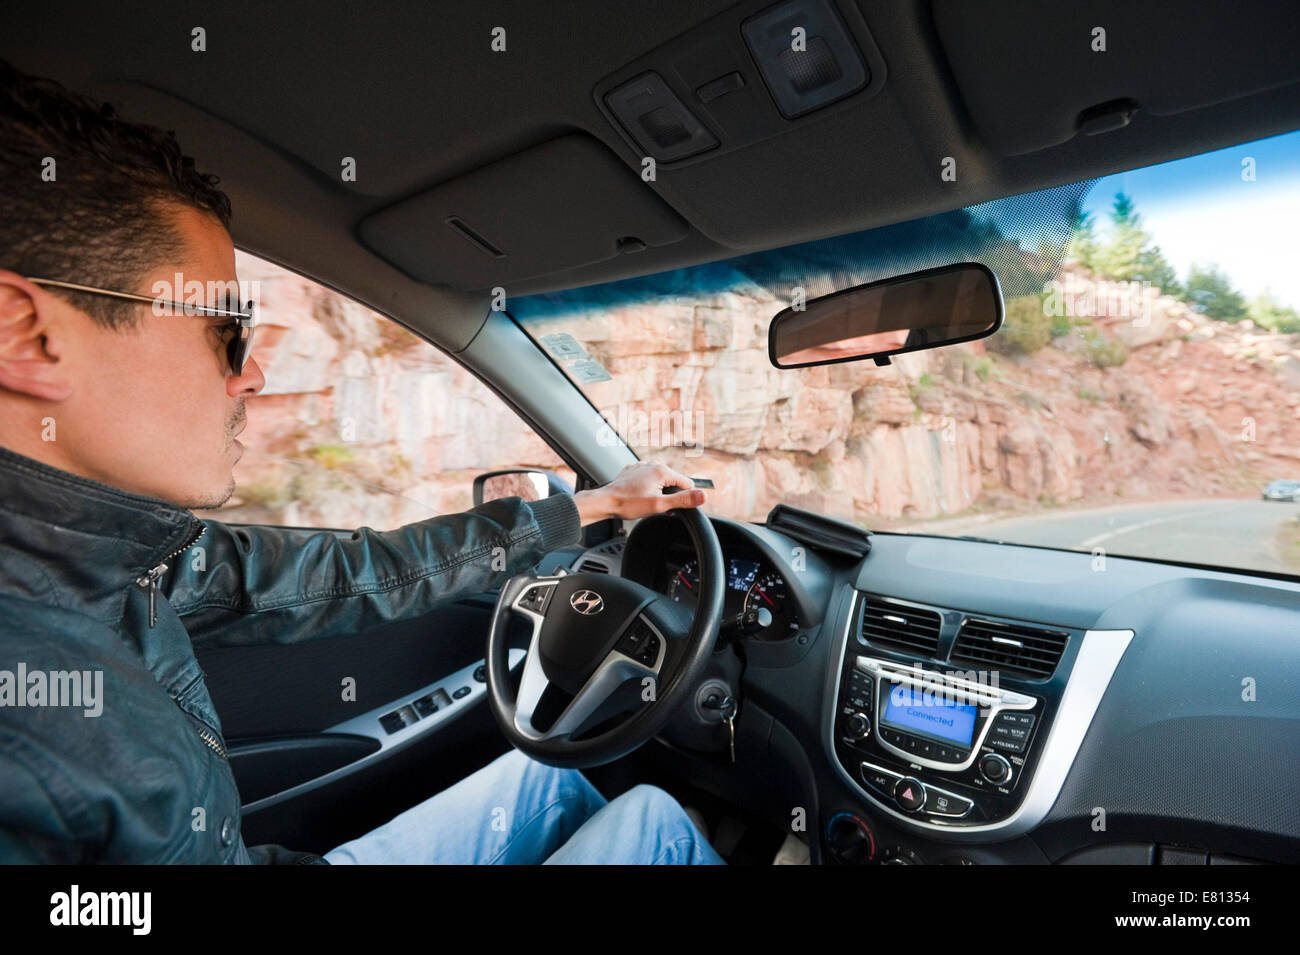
(413, 91)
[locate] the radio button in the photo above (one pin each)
(1015, 734)
(1023, 720)
(909, 792)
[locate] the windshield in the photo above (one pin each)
(1141, 399)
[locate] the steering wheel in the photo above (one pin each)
(601, 645)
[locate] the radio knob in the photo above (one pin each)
(859, 726)
(995, 768)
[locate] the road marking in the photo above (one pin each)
(1094, 541)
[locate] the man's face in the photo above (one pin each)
(154, 410)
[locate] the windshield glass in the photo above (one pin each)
(1141, 399)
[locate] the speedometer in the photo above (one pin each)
(768, 592)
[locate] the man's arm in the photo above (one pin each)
(252, 585)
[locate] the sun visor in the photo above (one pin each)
(563, 204)
(1034, 74)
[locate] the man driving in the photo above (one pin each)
(119, 412)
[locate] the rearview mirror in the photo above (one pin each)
(943, 306)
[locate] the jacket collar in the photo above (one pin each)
(75, 543)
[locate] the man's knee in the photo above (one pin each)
(534, 774)
(659, 807)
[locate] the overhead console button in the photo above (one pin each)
(806, 55)
(720, 87)
(657, 120)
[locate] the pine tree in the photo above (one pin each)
(1210, 292)
(1130, 255)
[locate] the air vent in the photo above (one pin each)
(1010, 648)
(612, 548)
(593, 566)
(897, 627)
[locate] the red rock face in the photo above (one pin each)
(355, 404)
(361, 422)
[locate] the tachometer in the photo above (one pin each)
(684, 587)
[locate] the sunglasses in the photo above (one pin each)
(241, 322)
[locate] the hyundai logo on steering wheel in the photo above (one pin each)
(587, 602)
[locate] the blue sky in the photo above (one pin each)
(1200, 210)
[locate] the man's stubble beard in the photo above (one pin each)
(210, 502)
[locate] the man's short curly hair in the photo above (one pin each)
(100, 219)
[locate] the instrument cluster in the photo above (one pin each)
(758, 602)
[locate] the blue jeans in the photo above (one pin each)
(517, 811)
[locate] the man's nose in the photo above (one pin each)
(250, 381)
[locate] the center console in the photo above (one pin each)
(935, 744)
(962, 726)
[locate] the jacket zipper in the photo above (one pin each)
(206, 733)
(150, 580)
(211, 739)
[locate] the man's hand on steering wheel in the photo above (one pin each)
(602, 645)
(639, 490)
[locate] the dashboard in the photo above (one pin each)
(947, 700)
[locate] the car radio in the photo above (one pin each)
(948, 747)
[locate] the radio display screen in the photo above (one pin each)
(931, 714)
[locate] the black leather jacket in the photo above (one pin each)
(146, 779)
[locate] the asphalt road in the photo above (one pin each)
(1226, 533)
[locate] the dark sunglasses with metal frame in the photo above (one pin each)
(242, 321)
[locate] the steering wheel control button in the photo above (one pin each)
(649, 652)
(637, 636)
(640, 643)
(909, 792)
(995, 768)
(943, 803)
(534, 598)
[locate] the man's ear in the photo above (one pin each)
(29, 360)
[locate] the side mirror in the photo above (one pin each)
(943, 306)
(532, 484)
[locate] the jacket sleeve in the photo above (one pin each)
(250, 585)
